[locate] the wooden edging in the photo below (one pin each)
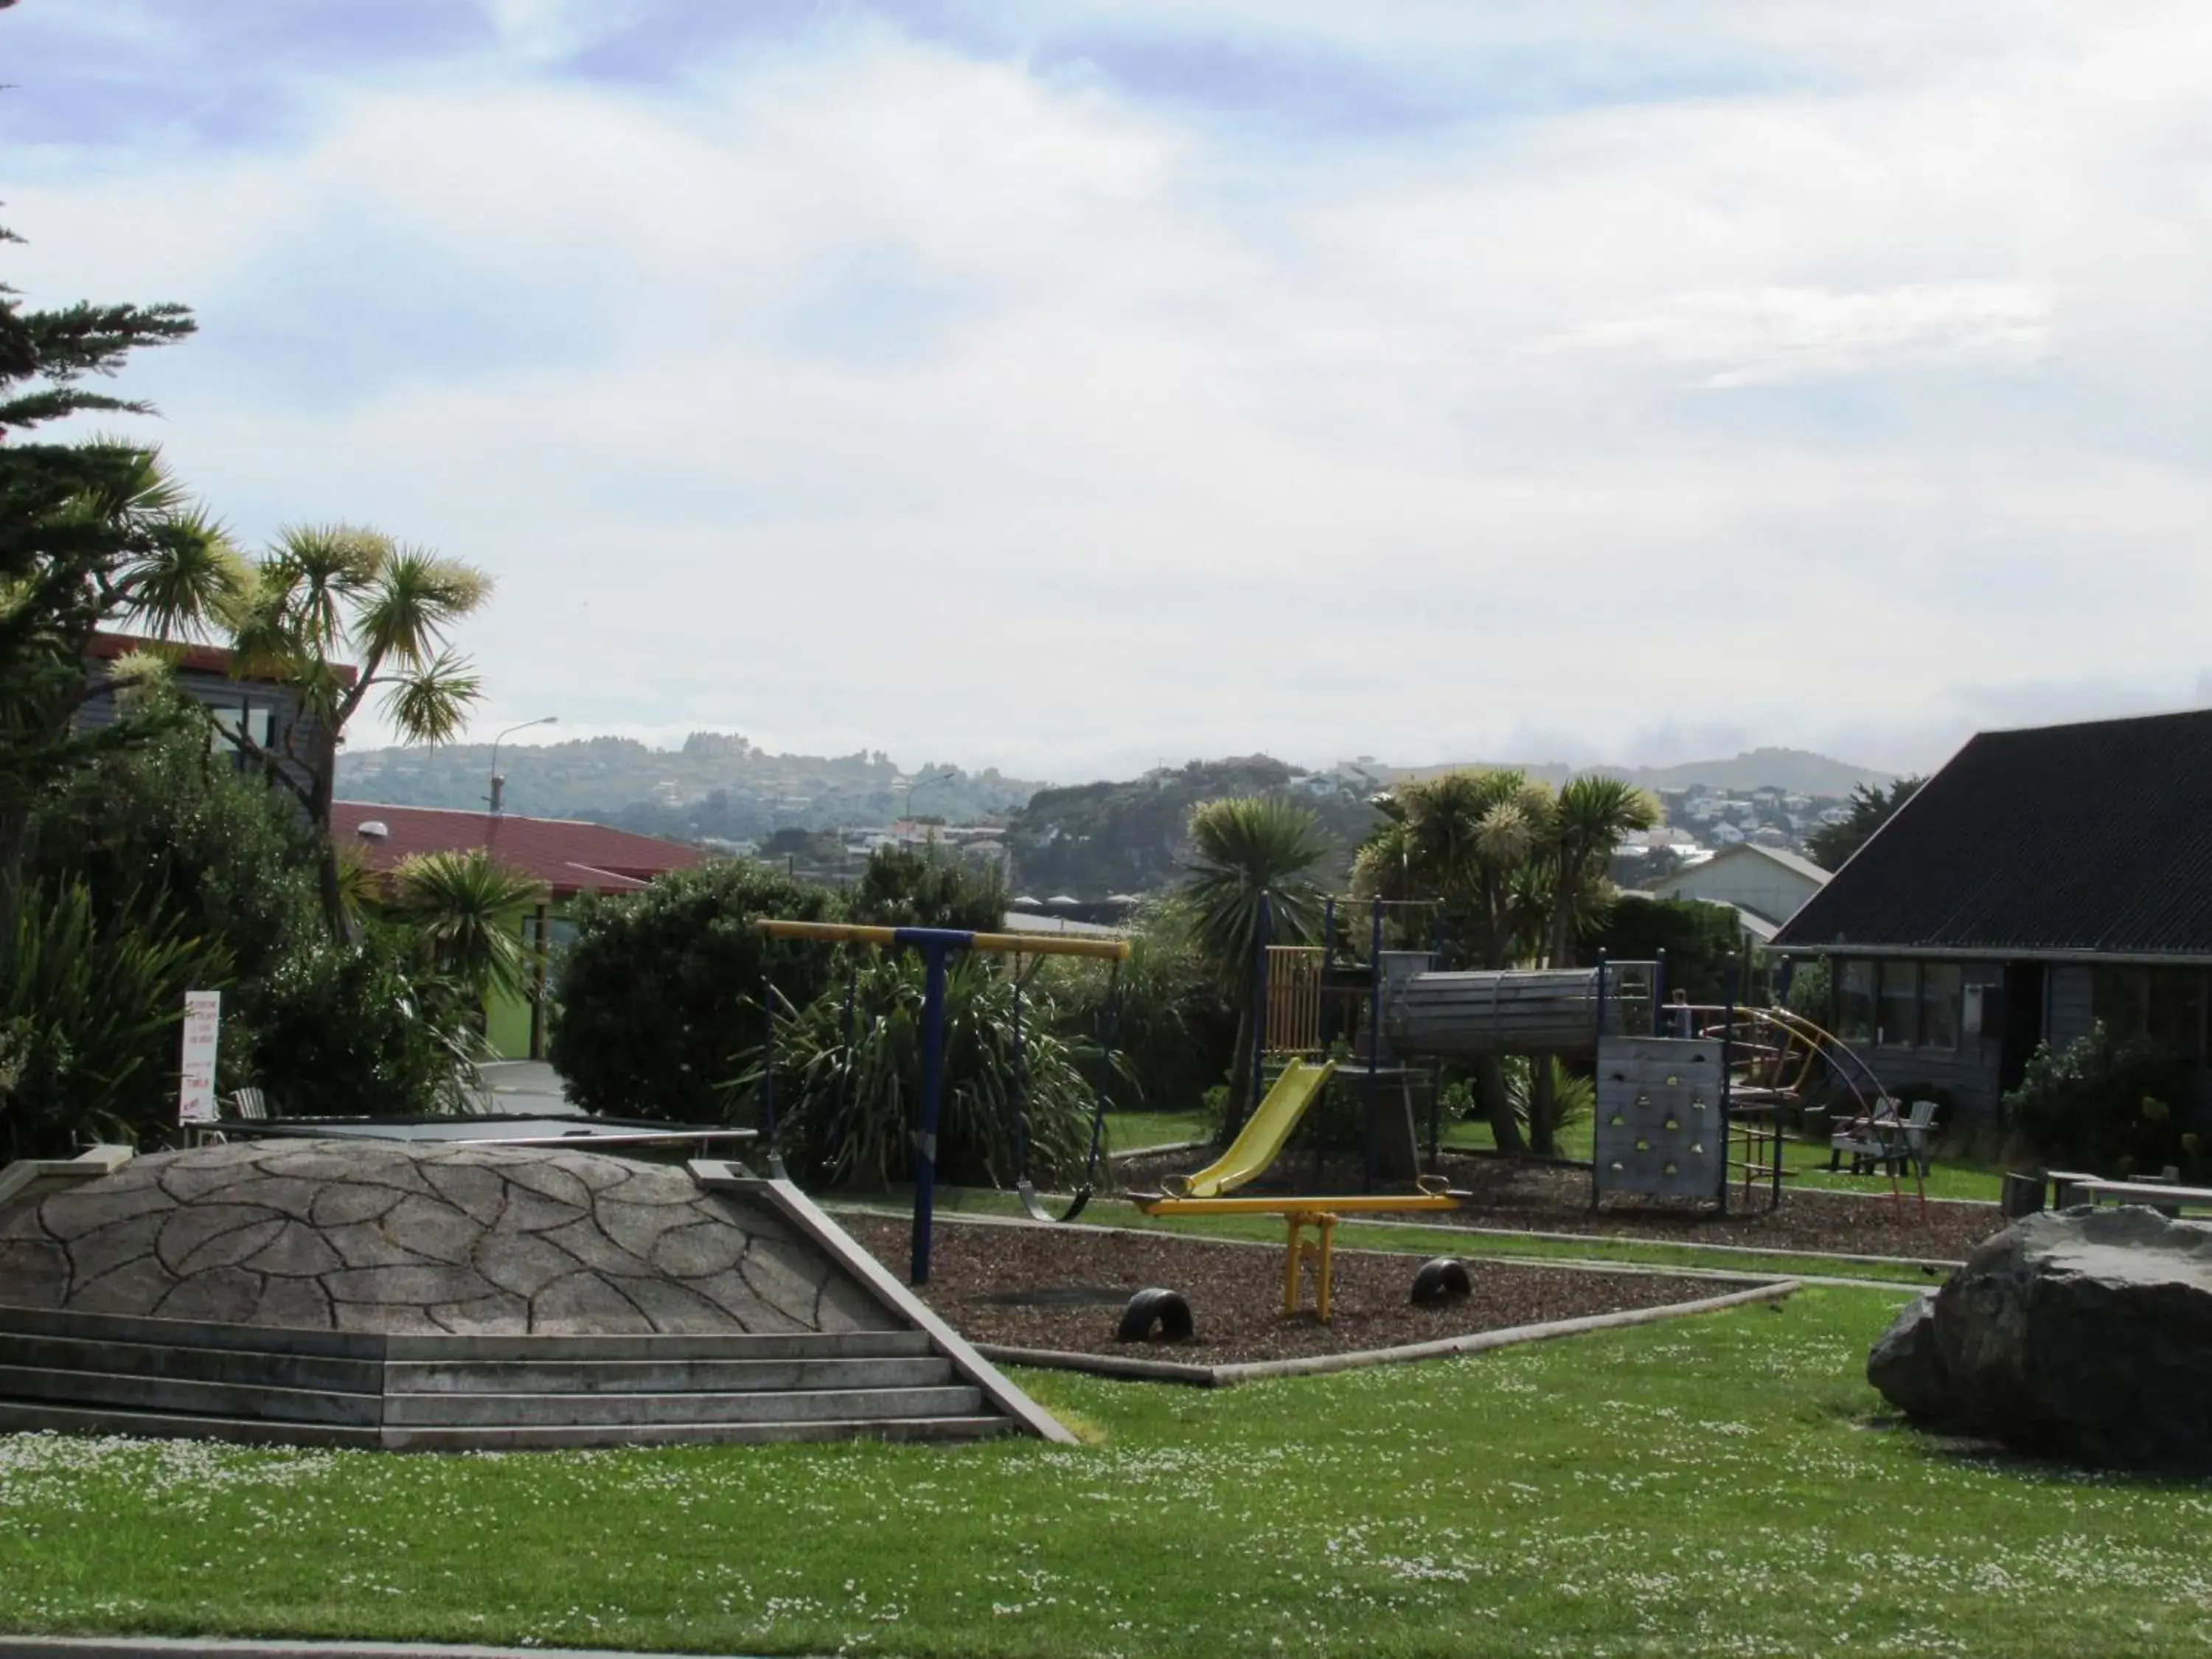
(810, 1219)
(1229, 1376)
(1584, 1264)
(88, 1165)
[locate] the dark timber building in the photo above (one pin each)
(269, 712)
(2042, 881)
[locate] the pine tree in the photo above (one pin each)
(91, 532)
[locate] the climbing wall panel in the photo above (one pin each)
(1659, 1129)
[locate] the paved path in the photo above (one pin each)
(118, 1647)
(528, 1086)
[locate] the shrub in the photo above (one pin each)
(861, 1134)
(352, 1030)
(89, 1010)
(903, 888)
(2104, 1104)
(1574, 1096)
(1172, 1029)
(660, 993)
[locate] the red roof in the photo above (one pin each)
(567, 855)
(200, 659)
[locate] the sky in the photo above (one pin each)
(1069, 386)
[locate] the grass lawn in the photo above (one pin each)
(1705, 1487)
(1126, 1131)
(1949, 1178)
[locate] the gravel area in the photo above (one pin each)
(1554, 1198)
(1063, 1288)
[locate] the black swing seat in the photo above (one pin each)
(1027, 1192)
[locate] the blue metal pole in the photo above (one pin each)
(1658, 989)
(1021, 1085)
(933, 1063)
(1328, 929)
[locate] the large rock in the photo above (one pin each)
(1907, 1363)
(2086, 1333)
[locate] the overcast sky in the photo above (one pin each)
(1066, 387)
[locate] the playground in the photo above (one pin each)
(1063, 1289)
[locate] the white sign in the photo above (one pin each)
(203, 1021)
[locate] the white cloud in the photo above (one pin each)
(1770, 336)
(875, 393)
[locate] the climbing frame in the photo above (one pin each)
(1661, 1128)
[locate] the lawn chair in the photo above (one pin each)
(1881, 1141)
(248, 1103)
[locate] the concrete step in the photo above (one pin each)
(254, 1402)
(564, 1410)
(37, 1416)
(21, 1417)
(563, 1376)
(555, 1438)
(262, 1368)
(845, 1345)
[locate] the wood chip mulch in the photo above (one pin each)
(1555, 1198)
(1063, 1288)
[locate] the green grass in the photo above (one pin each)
(1710, 1486)
(1440, 1241)
(1126, 1131)
(1809, 1160)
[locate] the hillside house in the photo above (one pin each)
(1765, 886)
(2043, 880)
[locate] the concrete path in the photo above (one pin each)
(131, 1647)
(527, 1086)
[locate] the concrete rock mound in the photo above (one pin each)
(422, 1240)
(2084, 1334)
(434, 1296)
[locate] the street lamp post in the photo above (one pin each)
(498, 795)
(915, 784)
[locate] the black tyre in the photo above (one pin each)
(1165, 1308)
(1442, 1280)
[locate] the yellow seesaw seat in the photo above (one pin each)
(1261, 1141)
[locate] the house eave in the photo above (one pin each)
(1998, 954)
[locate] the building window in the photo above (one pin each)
(1899, 1015)
(1939, 1004)
(1854, 1002)
(257, 721)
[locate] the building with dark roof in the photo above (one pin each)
(565, 856)
(2044, 880)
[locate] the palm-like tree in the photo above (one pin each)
(463, 907)
(340, 611)
(1589, 817)
(1469, 840)
(1248, 854)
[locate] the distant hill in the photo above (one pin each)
(716, 785)
(1098, 839)
(1799, 771)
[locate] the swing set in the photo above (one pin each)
(936, 947)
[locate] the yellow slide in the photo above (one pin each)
(1262, 1140)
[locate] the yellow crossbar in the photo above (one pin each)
(1349, 1203)
(1011, 944)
